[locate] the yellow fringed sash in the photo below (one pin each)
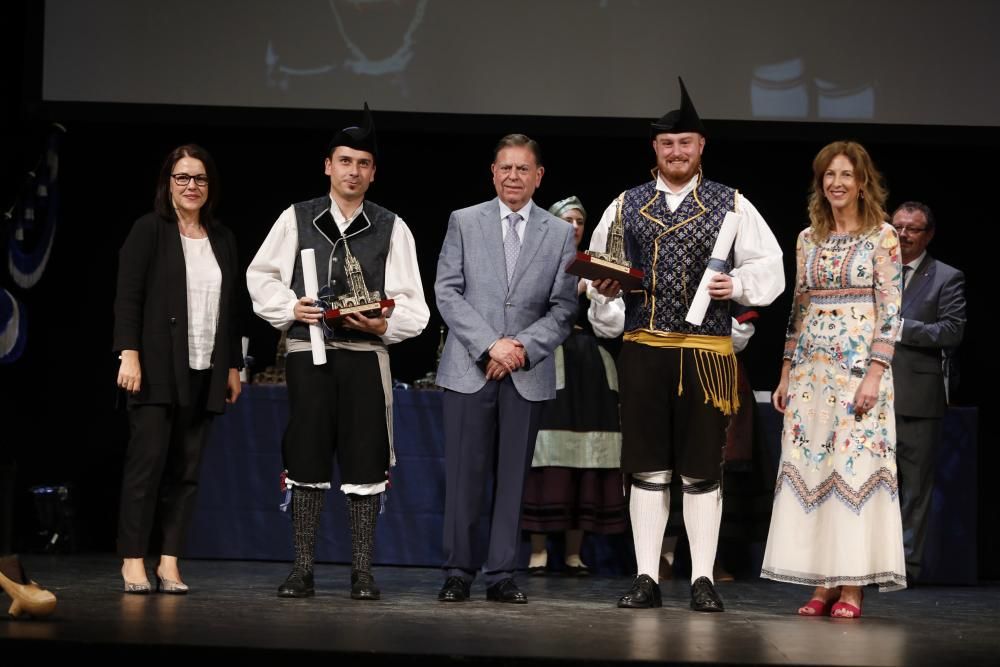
(714, 360)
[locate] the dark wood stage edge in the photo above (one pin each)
(232, 614)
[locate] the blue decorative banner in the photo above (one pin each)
(13, 328)
(34, 216)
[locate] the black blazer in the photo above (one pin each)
(933, 311)
(151, 311)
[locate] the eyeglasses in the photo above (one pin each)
(908, 229)
(201, 180)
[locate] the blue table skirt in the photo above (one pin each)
(238, 515)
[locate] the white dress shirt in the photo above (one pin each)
(522, 226)
(907, 279)
(913, 271)
(674, 199)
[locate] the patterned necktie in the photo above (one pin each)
(907, 270)
(512, 244)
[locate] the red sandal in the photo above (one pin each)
(816, 607)
(846, 609)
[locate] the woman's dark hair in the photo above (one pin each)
(163, 204)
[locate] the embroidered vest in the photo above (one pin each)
(368, 237)
(673, 249)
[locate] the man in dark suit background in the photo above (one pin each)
(508, 302)
(933, 312)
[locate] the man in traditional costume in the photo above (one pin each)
(677, 380)
(345, 404)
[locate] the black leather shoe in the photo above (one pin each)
(363, 587)
(298, 585)
(506, 590)
(704, 597)
(455, 589)
(645, 593)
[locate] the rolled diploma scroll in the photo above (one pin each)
(312, 289)
(244, 345)
(723, 244)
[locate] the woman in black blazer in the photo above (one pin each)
(180, 357)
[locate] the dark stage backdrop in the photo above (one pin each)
(56, 413)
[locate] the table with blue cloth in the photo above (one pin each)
(239, 512)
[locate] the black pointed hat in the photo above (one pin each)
(359, 138)
(680, 120)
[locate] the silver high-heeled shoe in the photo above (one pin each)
(170, 586)
(136, 588)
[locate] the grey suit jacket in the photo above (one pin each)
(933, 311)
(475, 303)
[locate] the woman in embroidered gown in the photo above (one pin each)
(574, 484)
(836, 522)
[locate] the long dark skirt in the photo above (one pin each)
(575, 481)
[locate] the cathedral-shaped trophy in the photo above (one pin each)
(356, 298)
(611, 263)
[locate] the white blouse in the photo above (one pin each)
(204, 289)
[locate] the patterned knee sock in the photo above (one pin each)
(307, 504)
(363, 513)
(702, 516)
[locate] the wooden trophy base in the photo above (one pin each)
(334, 316)
(592, 268)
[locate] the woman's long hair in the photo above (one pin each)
(871, 189)
(164, 205)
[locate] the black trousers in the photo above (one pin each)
(489, 441)
(160, 480)
(339, 407)
(661, 430)
(916, 449)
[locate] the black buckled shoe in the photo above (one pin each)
(704, 597)
(506, 590)
(299, 584)
(363, 586)
(644, 594)
(455, 589)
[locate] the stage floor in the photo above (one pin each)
(233, 613)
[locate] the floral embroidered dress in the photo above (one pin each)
(836, 516)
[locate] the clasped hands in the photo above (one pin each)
(506, 356)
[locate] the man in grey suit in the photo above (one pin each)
(502, 290)
(933, 312)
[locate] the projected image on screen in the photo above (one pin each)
(368, 30)
(784, 91)
(807, 60)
